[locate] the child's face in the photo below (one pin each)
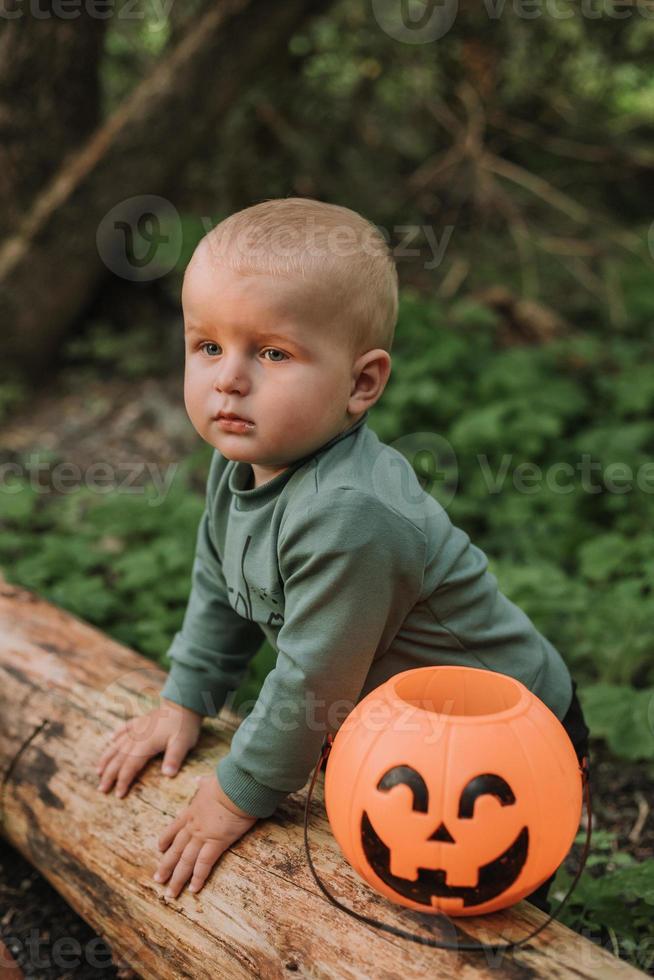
(256, 346)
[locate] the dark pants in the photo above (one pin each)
(575, 725)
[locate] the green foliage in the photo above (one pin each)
(133, 44)
(120, 561)
(12, 394)
(142, 351)
(623, 716)
(613, 901)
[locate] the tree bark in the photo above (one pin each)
(50, 266)
(49, 97)
(64, 688)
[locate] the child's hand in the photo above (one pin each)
(170, 728)
(199, 835)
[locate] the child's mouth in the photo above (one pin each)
(234, 424)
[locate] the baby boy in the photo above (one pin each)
(315, 534)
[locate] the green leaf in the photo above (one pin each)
(621, 715)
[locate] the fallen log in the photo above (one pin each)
(64, 687)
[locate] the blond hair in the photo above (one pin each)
(338, 252)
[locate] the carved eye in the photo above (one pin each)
(407, 776)
(486, 784)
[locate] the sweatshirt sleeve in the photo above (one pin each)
(210, 654)
(352, 569)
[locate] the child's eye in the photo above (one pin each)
(275, 351)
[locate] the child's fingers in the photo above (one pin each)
(131, 767)
(106, 758)
(183, 867)
(209, 854)
(117, 733)
(107, 779)
(108, 754)
(168, 835)
(169, 860)
(174, 756)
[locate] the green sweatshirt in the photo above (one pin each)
(353, 573)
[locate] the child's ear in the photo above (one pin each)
(370, 372)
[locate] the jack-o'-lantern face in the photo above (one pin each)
(453, 790)
(494, 877)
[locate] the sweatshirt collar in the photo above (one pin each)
(241, 472)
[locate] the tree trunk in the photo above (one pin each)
(49, 97)
(64, 688)
(52, 264)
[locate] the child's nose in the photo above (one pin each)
(231, 376)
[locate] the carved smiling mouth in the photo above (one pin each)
(494, 877)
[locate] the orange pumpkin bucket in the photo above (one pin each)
(453, 789)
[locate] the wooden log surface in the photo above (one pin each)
(64, 687)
